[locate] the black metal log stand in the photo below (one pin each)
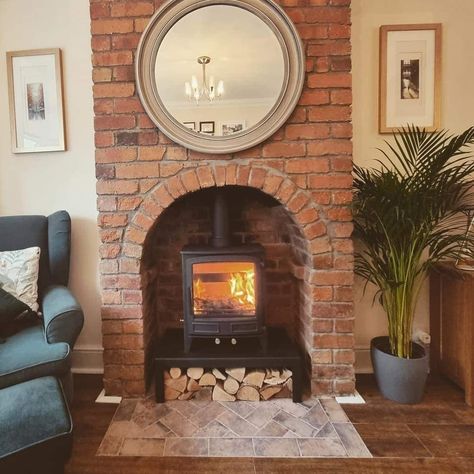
(279, 353)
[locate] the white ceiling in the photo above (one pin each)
(244, 51)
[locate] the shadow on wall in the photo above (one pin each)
(84, 278)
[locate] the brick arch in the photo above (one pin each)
(296, 200)
(326, 312)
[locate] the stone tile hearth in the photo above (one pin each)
(276, 428)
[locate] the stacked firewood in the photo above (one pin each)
(227, 385)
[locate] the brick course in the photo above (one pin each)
(306, 167)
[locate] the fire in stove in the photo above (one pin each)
(224, 288)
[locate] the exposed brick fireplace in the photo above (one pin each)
(294, 197)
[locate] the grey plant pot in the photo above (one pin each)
(401, 380)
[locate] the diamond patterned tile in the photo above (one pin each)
(327, 431)
(316, 417)
(276, 447)
(321, 447)
(263, 415)
(205, 416)
(277, 428)
(352, 441)
(186, 447)
(243, 409)
(233, 447)
(179, 424)
(294, 424)
(295, 409)
(214, 430)
(142, 447)
(272, 430)
(334, 411)
(237, 424)
(125, 410)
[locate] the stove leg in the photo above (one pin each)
(187, 343)
(159, 384)
(264, 340)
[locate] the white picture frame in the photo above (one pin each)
(231, 127)
(36, 101)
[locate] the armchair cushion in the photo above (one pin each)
(19, 274)
(63, 317)
(35, 427)
(14, 315)
(10, 308)
(26, 355)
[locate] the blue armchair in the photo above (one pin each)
(44, 349)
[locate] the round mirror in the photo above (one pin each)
(219, 76)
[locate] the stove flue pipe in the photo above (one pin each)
(220, 237)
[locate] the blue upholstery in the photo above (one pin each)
(62, 315)
(35, 426)
(41, 351)
(26, 355)
(59, 247)
(52, 234)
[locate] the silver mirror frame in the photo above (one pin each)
(294, 75)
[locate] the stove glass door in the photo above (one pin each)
(224, 289)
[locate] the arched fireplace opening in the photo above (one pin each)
(255, 219)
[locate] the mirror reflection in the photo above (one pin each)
(219, 70)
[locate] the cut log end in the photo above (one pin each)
(195, 372)
(220, 395)
(248, 393)
(175, 372)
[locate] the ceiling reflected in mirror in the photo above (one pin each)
(220, 64)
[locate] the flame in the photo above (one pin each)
(198, 289)
(242, 287)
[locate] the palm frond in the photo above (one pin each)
(410, 204)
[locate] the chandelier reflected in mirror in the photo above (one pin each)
(206, 90)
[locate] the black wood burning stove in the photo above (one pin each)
(222, 286)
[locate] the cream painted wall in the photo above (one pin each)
(45, 182)
(457, 94)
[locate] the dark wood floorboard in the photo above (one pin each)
(436, 436)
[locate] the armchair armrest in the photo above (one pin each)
(62, 315)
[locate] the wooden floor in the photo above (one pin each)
(435, 436)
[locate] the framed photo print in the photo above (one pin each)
(36, 100)
(410, 76)
(207, 127)
(190, 125)
(229, 128)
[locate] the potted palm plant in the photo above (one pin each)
(408, 217)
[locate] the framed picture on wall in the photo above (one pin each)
(190, 125)
(36, 100)
(229, 128)
(207, 127)
(410, 76)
